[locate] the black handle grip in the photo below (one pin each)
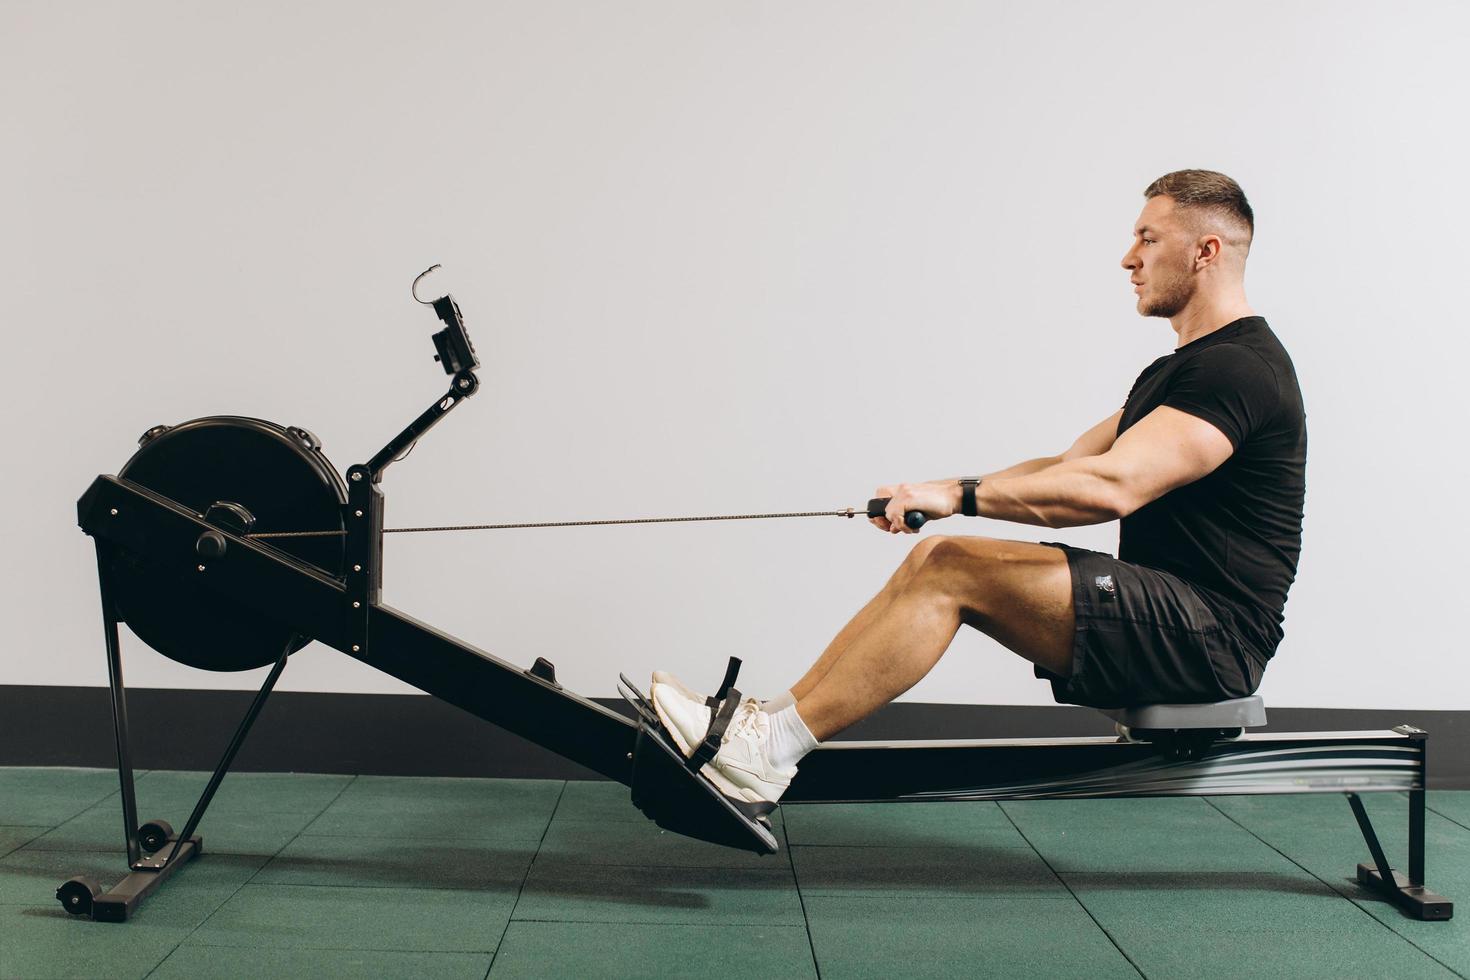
(915, 519)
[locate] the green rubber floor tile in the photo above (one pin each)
(1206, 952)
(1326, 840)
(191, 962)
(1173, 810)
(1264, 902)
(378, 862)
(173, 792)
(30, 878)
(228, 832)
(593, 949)
(901, 824)
(886, 937)
(47, 797)
(1452, 806)
(934, 872)
(691, 896)
(406, 919)
(586, 799)
(1329, 845)
(1317, 835)
(38, 944)
(1311, 813)
(642, 844)
(1448, 942)
(447, 809)
(13, 837)
(1081, 836)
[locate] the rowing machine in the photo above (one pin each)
(228, 543)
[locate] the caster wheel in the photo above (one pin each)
(77, 894)
(154, 834)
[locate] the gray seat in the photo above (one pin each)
(1236, 713)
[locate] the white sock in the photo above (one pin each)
(775, 704)
(790, 739)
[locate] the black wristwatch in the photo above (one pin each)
(967, 496)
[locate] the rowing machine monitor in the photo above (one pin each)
(456, 352)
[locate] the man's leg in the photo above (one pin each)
(1016, 592)
(866, 616)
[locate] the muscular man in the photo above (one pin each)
(1205, 467)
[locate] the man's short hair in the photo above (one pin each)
(1209, 191)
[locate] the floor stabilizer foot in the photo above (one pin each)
(118, 903)
(1416, 900)
(678, 799)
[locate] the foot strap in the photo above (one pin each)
(722, 705)
(732, 670)
(718, 722)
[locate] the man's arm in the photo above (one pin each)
(1095, 441)
(1165, 450)
(1103, 477)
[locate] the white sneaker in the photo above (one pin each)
(740, 768)
(663, 677)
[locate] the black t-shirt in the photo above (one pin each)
(1235, 534)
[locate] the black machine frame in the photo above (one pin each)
(347, 613)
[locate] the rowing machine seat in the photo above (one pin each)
(1236, 713)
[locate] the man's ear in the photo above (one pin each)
(1207, 251)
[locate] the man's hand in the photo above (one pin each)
(938, 498)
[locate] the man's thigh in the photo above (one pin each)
(1145, 636)
(1016, 592)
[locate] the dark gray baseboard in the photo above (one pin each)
(416, 735)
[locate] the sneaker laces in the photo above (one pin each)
(745, 724)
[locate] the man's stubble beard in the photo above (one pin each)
(1170, 298)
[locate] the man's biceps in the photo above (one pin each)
(1201, 439)
(1173, 447)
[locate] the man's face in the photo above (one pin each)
(1161, 260)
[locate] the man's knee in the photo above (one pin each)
(945, 557)
(923, 549)
(972, 566)
(950, 550)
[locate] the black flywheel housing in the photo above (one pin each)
(246, 475)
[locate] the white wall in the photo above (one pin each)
(720, 257)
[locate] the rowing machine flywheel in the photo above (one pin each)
(245, 475)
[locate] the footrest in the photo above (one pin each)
(1236, 713)
(678, 798)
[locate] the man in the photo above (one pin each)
(1205, 467)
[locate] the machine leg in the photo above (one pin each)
(239, 739)
(82, 896)
(1408, 893)
(119, 705)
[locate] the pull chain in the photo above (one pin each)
(848, 512)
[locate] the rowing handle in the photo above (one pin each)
(914, 519)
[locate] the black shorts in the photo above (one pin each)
(1146, 637)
